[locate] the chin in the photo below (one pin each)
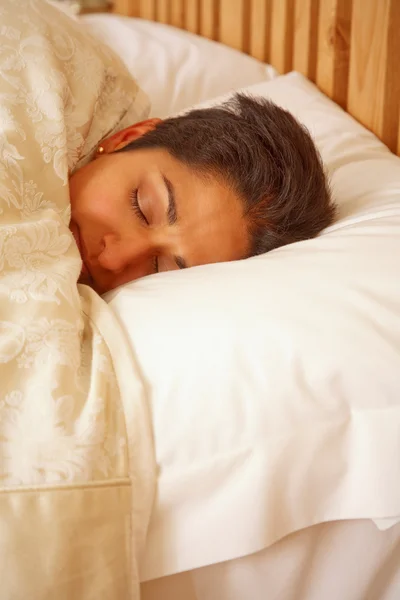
(86, 280)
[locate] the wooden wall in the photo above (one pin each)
(349, 48)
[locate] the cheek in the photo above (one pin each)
(91, 189)
(100, 211)
(96, 204)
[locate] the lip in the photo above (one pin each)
(82, 251)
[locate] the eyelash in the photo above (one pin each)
(155, 264)
(134, 196)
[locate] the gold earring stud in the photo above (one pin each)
(100, 150)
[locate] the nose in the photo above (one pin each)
(120, 254)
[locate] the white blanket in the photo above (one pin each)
(76, 459)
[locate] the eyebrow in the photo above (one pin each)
(180, 262)
(171, 211)
(173, 217)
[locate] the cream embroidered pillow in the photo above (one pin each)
(74, 432)
(96, 89)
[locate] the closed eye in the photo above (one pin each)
(134, 198)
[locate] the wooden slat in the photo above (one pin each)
(192, 15)
(232, 23)
(260, 21)
(281, 41)
(398, 139)
(147, 9)
(177, 9)
(162, 11)
(209, 19)
(107, 7)
(129, 8)
(305, 38)
(334, 28)
(374, 87)
(351, 48)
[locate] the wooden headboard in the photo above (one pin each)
(349, 48)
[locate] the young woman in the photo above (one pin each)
(214, 185)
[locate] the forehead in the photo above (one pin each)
(211, 225)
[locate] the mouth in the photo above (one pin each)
(85, 273)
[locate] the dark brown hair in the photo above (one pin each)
(264, 155)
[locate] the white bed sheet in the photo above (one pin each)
(175, 68)
(346, 560)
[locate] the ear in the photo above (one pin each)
(126, 136)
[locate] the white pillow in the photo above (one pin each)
(274, 382)
(175, 68)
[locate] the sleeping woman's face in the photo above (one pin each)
(139, 212)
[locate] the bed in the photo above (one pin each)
(243, 453)
(348, 50)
